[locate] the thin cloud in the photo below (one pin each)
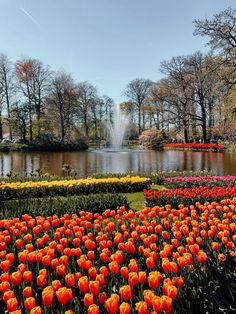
(30, 17)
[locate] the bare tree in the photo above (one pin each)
(221, 31)
(7, 86)
(204, 84)
(86, 96)
(33, 82)
(137, 91)
(177, 92)
(62, 102)
(20, 117)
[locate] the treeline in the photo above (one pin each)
(197, 96)
(195, 99)
(38, 105)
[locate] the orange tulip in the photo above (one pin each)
(170, 291)
(12, 304)
(41, 280)
(157, 304)
(93, 309)
(94, 287)
(56, 285)
(133, 279)
(21, 268)
(69, 312)
(36, 310)
(167, 303)
(148, 296)
(166, 265)
(92, 272)
(5, 265)
(201, 257)
(103, 270)
(126, 292)
(54, 263)
(70, 280)
(27, 292)
(47, 296)
(111, 305)
(29, 303)
(124, 272)
(4, 286)
(64, 295)
(16, 312)
(154, 279)
(215, 246)
(83, 284)
(61, 270)
(27, 276)
(90, 245)
(16, 278)
(150, 262)
(101, 279)
(88, 299)
(8, 295)
(125, 308)
(114, 267)
(142, 276)
(141, 307)
(102, 297)
(46, 260)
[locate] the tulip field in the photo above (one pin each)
(171, 258)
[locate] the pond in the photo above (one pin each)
(105, 161)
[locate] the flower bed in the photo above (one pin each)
(11, 190)
(188, 196)
(194, 146)
(198, 181)
(159, 259)
(159, 177)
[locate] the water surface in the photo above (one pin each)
(94, 161)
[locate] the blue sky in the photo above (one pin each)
(106, 42)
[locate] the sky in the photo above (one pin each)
(106, 42)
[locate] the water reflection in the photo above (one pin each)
(87, 163)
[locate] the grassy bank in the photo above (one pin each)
(52, 147)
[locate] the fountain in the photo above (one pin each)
(117, 129)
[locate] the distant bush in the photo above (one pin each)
(153, 138)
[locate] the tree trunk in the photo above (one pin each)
(139, 119)
(185, 126)
(1, 132)
(86, 124)
(62, 130)
(8, 105)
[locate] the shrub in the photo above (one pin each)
(152, 138)
(62, 205)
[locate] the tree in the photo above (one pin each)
(205, 87)
(1, 109)
(86, 101)
(176, 91)
(20, 117)
(62, 102)
(137, 92)
(7, 87)
(221, 30)
(33, 81)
